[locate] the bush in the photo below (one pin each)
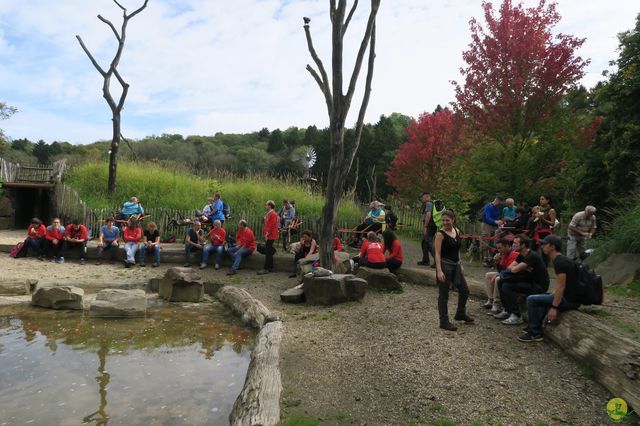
(621, 234)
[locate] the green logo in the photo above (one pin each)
(617, 409)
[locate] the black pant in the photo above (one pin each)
(52, 249)
(509, 294)
(68, 245)
(453, 277)
(427, 246)
(268, 255)
(393, 264)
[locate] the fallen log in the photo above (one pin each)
(17, 287)
(252, 311)
(259, 401)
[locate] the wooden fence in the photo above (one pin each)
(8, 171)
(12, 172)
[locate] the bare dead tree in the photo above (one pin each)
(338, 104)
(116, 107)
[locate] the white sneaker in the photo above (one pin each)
(501, 315)
(488, 304)
(203, 265)
(217, 266)
(513, 320)
(495, 309)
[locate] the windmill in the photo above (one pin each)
(309, 159)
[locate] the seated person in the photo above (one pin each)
(390, 218)
(217, 240)
(194, 241)
(306, 248)
(504, 258)
(75, 238)
(530, 276)
(371, 253)
(286, 213)
(36, 234)
(132, 236)
(109, 240)
(214, 209)
(374, 221)
(518, 224)
(509, 210)
(393, 246)
(54, 241)
(151, 244)
(337, 244)
(245, 245)
(131, 208)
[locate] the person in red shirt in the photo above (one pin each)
(217, 239)
(54, 240)
(245, 246)
(132, 236)
(337, 244)
(36, 233)
(76, 237)
(270, 236)
(393, 246)
(371, 253)
(504, 258)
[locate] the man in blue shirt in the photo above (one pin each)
(131, 208)
(214, 210)
(491, 214)
(109, 239)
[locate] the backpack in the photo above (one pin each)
(391, 219)
(226, 210)
(590, 290)
(19, 250)
(436, 212)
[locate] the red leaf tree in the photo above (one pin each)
(432, 142)
(517, 72)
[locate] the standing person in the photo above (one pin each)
(109, 240)
(217, 240)
(286, 214)
(54, 241)
(132, 235)
(36, 233)
(564, 298)
(270, 237)
(393, 246)
(76, 237)
(245, 246)
(306, 248)
(490, 222)
(582, 227)
(195, 240)
(546, 221)
(429, 230)
(449, 272)
(151, 244)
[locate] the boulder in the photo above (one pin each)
(293, 295)
(336, 288)
(379, 279)
(59, 297)
(181, 285)
(17, 287)
(343, 266)
(116, 303)
(621, 268)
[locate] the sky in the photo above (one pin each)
(198, 67)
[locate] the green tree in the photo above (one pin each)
(276, 142)
(42, 152)
(6, 111)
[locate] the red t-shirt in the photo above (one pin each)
(271, 226)
(218, 236)
(337, 244)
(36, 231)
(375, 252)
(363, 247)
(54, 233)
(132, 235)
(507, 260)
(396, 251)
(79, 234)
(245, 238)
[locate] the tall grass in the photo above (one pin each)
(621, 234)
(157, 185)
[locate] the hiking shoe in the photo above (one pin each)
(528, 338)
(142, 265)
(448, 326)
(464, 317)
(83, 262)
(98, 262)
(155, 265)
(232, 272)
(186, 265)
(513, 320)
(525, 330)
(423, 263)
(60, 260)
(293, 275)
(502, 315)
(217, 267)
(263, 272)
(488, 304)
(203, 265)
(495, 309)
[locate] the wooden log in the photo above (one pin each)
(259, 401)
(17, 287)
(614, 358)
(252, 311)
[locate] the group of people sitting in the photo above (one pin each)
(54, 241)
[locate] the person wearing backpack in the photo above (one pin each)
(566, 296)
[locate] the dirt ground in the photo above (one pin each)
(384, 361)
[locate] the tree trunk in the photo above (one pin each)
(113, 156)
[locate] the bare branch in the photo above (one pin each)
(91, 58)
(135, 155)
(318, 61)
(125, 89)
(349, 16)
(375, 4)
(367, 93)
(106, 21)
(124, 9)
(326, 91)
(140, 9)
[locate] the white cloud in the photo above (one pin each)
(203, 66)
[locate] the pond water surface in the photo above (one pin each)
(179, 365)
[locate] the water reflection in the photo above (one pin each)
(178, 365)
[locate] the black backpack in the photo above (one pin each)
(590, 289)
(392, 220)
(226, 210)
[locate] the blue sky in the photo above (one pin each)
(207, 66)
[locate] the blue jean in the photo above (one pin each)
(237, 253)
(219, 250)
(188, 249)
(35, 244)
(109, 245)
(537, 307)
(131, 249)
(155, 250)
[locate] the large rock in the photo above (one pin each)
(336, 288)
(621, 268)
(59, 297)
(343, 265)
(17, 287)
(181, 285)
(116, 303)
(380, 279)
(293, 295)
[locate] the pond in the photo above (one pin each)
(182, 364)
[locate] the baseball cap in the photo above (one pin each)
(554, 240)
